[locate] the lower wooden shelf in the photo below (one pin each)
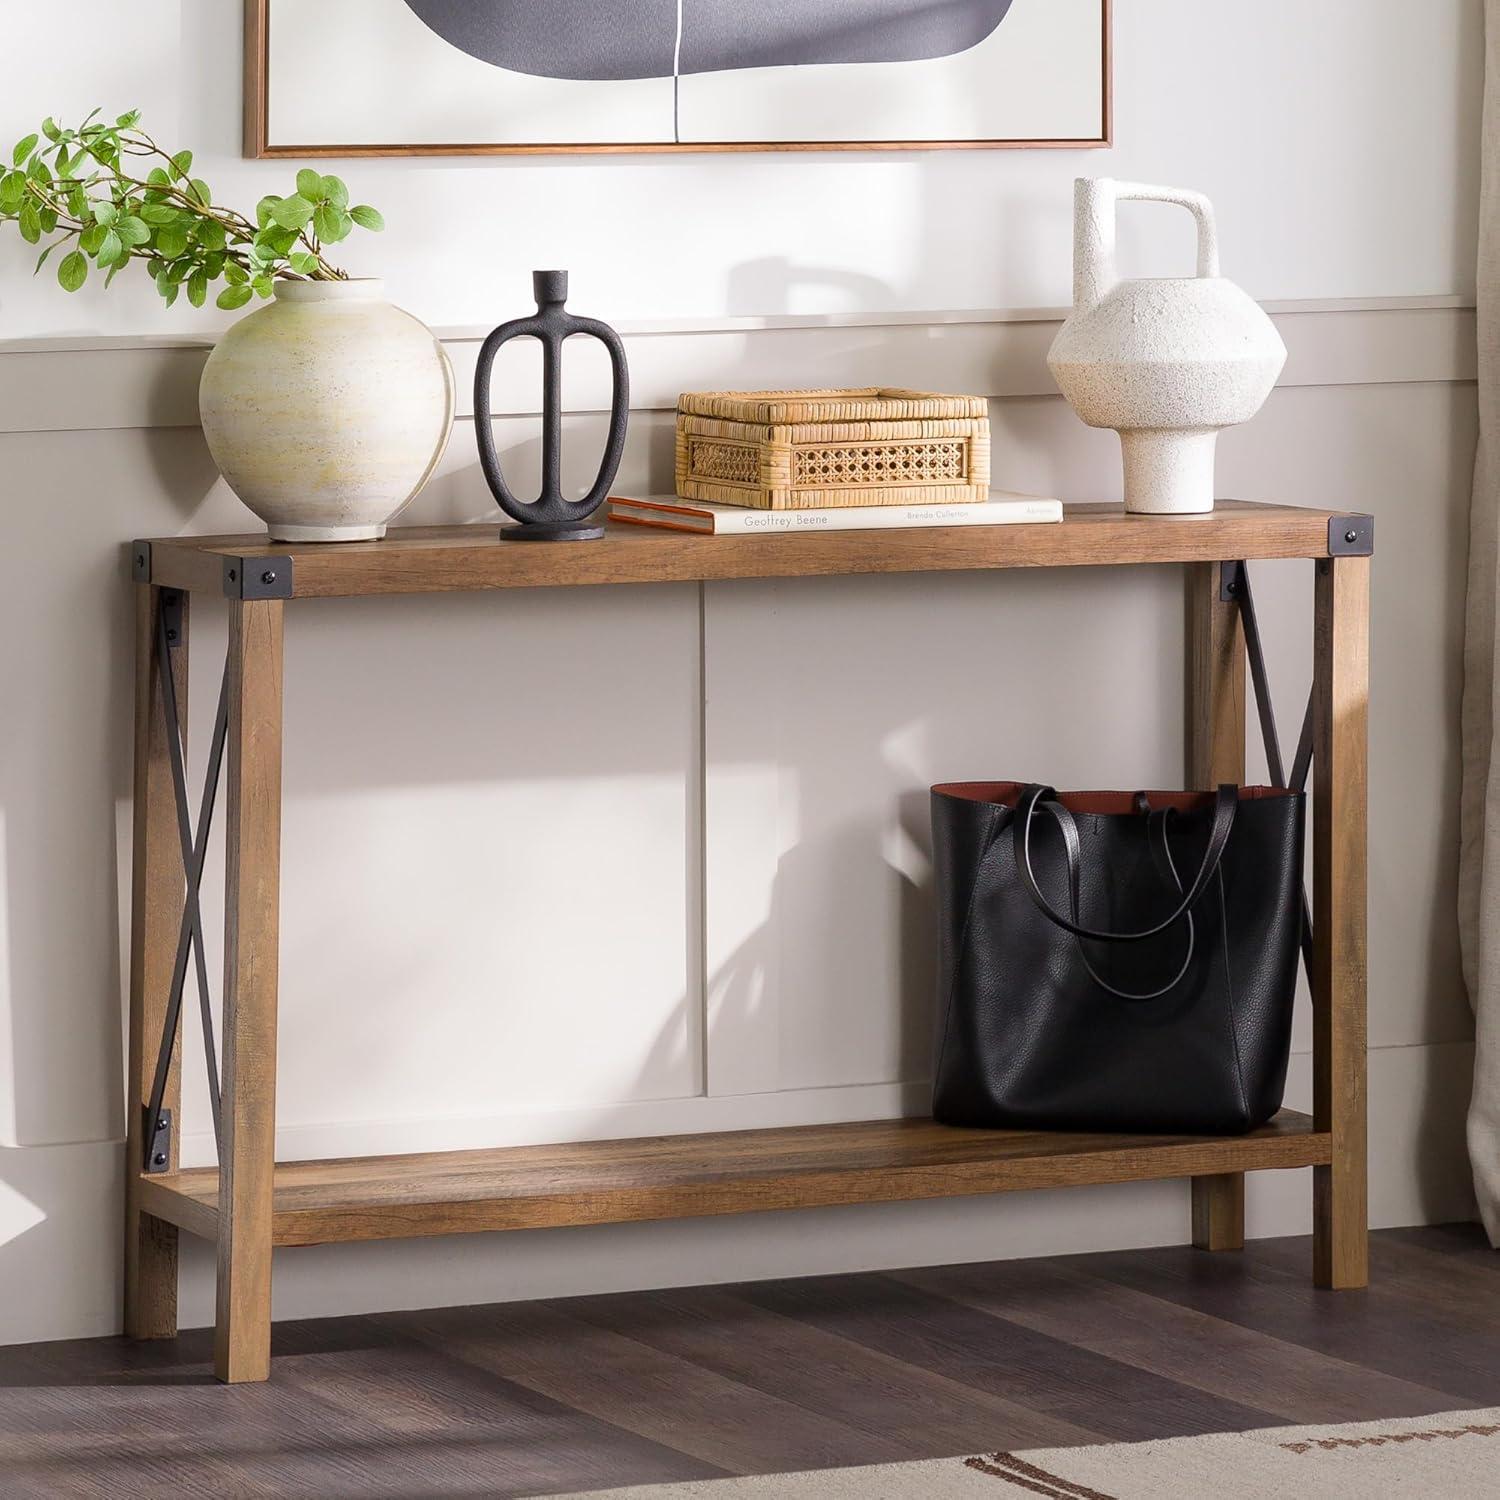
(687, 1176)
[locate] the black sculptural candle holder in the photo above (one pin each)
(550, 517)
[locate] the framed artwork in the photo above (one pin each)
(472, 77)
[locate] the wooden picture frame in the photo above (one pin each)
(258, 142)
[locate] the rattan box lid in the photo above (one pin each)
(856, 404)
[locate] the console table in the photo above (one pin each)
(251, 1204)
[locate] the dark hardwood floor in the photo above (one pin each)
(544, 1398)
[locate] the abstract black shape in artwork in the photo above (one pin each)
(616, 39)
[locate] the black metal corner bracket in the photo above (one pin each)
(140, 562)
(156, 1132)
(258, 577)
(1351, 536)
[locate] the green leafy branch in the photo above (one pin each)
(114, 195)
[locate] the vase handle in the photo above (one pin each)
(1198, 205)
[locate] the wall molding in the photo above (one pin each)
(151, 381)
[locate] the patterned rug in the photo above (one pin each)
(1454, 1455)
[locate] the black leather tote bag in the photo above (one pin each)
(1115, 961)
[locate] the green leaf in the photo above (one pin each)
(12, 191)
(111, 249)
(78, 203)
(41, 260)
(262, 285)
(159, 213)
(31, 223)
(157, 177)
(38, 170)
(63, 161)
(183, 163)
(303, 263)
(235, 274)
(263, 210)
(105, 213)
(132, 231)
(24, 148)
(170, 295)
(48, 218)
(367, 217)
(171, 240)
(72, 270)
(201, 191)
(310, 184)
(114, 271)
(293, 212)
(232, 297)
(91, 238)
(50, 130)
(125, 121)
(332, 223)
(333, 189)
(210, 234)
(197, 288)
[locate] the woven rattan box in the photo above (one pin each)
(804, 450)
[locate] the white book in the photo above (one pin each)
(1003, 508)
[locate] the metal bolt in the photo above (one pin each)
(233, 575)
(161, 1122)
(171, 635)
(269, 576)
(1351, 536)
(160, 1159)
(140, 559)
(1232, 588)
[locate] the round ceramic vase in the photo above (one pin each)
(1168, 362)
(327, 409)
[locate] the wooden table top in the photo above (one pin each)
(435, 559)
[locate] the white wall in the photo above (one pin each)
(1333, 137)
(438, 779)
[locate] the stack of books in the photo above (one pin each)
(1001, 509)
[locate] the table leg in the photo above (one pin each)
(156, 899)
(242, 1341)
(1215, 753)
(1340, 712)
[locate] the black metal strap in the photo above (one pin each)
(1238, 588)
(190, 932)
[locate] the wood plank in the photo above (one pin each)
(242, 1343)
(1374, 1328)
(929, 1415)
(157, 890)
(607, 1182)
(427, 559)
(665, 1399)
(1109, 1397)
(1215, 754)
(1063, 1300)
(1341, 675)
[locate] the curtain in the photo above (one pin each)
(1479, 855)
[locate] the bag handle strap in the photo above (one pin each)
(1226, 803)
(1161, 851)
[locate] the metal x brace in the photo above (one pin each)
(194, 851)
(1236, 586)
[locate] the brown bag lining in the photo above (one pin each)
(1008, 794)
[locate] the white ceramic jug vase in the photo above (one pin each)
(1166, 361)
